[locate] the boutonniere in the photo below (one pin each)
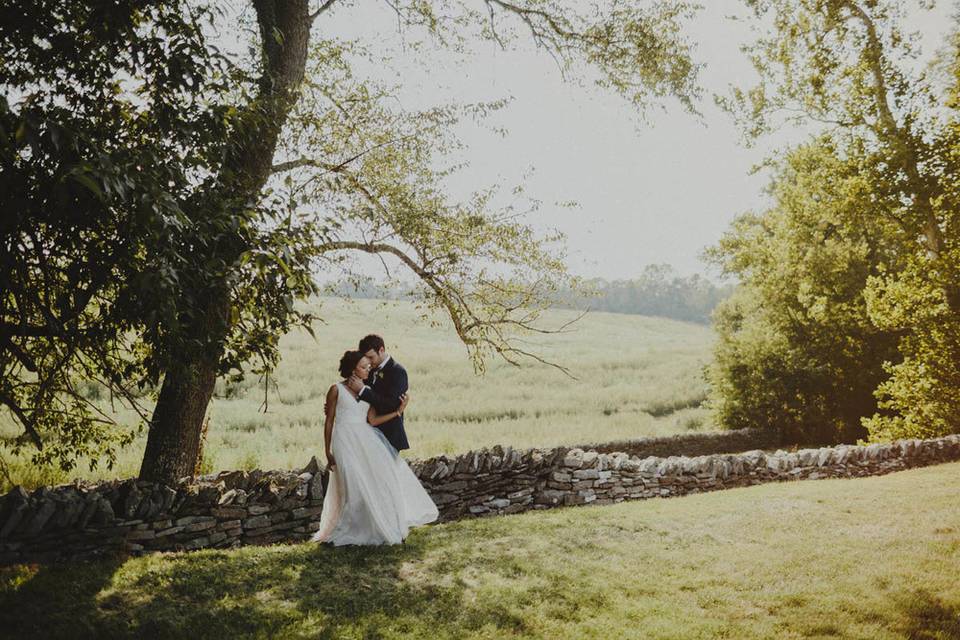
(379, 375)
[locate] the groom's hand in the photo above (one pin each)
(355, 384)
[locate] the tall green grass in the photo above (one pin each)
(633, 376)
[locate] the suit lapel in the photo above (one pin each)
(381, 372)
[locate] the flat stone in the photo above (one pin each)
(200, 526)
(229, 513)
(453, 487)
(550, 496)
(306, 512)
(256, 522)
(316, 486)
(40, 518)
(573, 459)
(262, 531)
(187, 520)
(15, 516)
(441, 499)
(196, 543)
(141, 535)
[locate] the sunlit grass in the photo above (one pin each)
(632, 377)
(874, 558)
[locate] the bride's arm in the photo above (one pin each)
(330, 409)
(377, 420)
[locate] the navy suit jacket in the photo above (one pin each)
(383, 392)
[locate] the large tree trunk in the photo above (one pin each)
(174, 437)
(173, 443)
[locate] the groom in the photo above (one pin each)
(387, 382)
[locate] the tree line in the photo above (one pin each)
(659, 291)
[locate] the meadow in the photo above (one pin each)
(872, 559)
(630, 377)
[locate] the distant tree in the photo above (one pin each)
(282, 161)
(659, 291)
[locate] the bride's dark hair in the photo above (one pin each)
(349, 362)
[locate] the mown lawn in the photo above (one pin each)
(871, 558)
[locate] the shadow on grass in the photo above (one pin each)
(927, 617)
(303, 591)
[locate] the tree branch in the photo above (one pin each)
(23, 418)
(322, 9)
(299, 163)
(456, 306)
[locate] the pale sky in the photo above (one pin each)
(654, 191)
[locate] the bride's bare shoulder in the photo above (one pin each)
(333, 392)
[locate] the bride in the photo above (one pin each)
(372, 495)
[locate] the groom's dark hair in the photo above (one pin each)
(372, 341)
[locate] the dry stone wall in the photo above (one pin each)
(694, 444)
(235, 508)
(504, 480)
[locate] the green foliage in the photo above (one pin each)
(922, 395)
(636, 49)
(101, 102)
(859, 292)
(796, 350)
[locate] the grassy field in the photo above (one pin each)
(636, 376)
(874, 558)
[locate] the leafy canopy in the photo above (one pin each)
(887, 154)
(122, 124)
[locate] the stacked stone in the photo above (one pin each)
(692, 444)
(223, 510)
(502, 481)
(236, 507)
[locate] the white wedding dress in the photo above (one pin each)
(372, 495)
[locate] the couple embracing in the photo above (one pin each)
(372, 495)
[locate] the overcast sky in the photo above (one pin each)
(653, 191)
